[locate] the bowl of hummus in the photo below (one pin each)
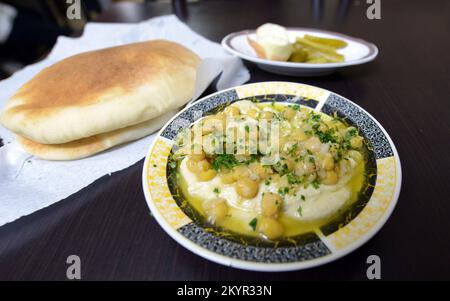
(272, 176)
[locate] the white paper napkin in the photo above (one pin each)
(27, 183)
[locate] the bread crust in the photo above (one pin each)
(91, 145)
(101, 91)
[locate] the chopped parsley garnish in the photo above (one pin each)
(302, 197)
(216, 190)
(296, 107)
(352, 132)
(253, 223)
(283, 191)
(294, 179)
(315, 117)
(348, 136)
(293, 149)
(224, 161)
(247, 128)
(253, 158)
(327, 136)
(281, 167)
(299, 210)
(315, 184)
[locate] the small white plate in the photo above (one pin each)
(356, 52)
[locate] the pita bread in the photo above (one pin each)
(102, 91)
(88, 146)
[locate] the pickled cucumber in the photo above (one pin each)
(299, 56)
(315, 52)
(326, 41)
(317, 46)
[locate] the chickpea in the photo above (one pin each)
(328, 162)
(270, 228)
(356, 142)
(247, 188)
(253, 113)
(197, 157)
(321, 173)
(299, 169)
(313, 144)
(284, 142)
(299, 134)
(240, 172)
(183, 151)
(356, 155)
(311, 177)
(207, 175)
(227, 177)
(337, 170)
(270, 204)
(231, 111)
(323, 127)
(260, 171)
(283, 181)
(231, 135)
(343, 167)
(332, 124)
(289, 113)
(203, 165)
(276, 178)
(209, 143)
(267, 115)
(331, 177)
(285, 164)
(222, 117)
(290, 146)
(198, 166)
(241, 158)
(217, 210)
(211, 123)
(305, 167)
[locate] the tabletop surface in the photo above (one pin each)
(407, 89)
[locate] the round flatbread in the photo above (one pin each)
(91, 145)
(102, 91)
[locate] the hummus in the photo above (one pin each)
(318, 171)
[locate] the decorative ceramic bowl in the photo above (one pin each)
(349, 230)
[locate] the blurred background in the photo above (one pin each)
(29, 29)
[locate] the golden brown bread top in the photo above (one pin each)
(75, 81)
(101, 91)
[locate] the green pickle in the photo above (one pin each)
(299, 56)
(315, 50)
(326, 41)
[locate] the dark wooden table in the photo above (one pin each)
(407, 89)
